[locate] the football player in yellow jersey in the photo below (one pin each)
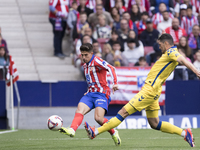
(147, 98)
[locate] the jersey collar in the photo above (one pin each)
(173, 47)
(91, 59)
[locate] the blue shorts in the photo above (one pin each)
(96, 99)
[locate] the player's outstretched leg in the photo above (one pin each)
(90, 130)
(116, 138)
(114, 133)
(78, 118)
(189, 137)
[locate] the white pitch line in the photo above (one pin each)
(8, 131)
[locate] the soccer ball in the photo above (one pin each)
(54, 122)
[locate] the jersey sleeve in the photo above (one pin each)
(104, 65)
(173, 54)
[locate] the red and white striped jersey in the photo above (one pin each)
(176, 35)
(59, 5)
(91, 4)
(196, 3)
(12, 71)
(158, 17)
(187, 23)
(96, 75)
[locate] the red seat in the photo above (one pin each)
(148, 49)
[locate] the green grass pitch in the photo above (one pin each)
(144, 139)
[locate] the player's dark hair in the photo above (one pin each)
(86, 47)
(166, 37)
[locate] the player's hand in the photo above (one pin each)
(115, 88)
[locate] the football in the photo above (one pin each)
(54, 122)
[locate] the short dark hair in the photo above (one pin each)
(142, 58)
(114, 32)
(145, 13)
(83, 13)
(126, 12)
(131, 40)
(86, 47)
(116, 42)
(189, 7)
(166, 37)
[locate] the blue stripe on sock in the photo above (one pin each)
(119, 117)
(159, 125)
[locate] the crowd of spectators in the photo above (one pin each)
(124, 32)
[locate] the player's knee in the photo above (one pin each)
(99, 119)
(123, 112)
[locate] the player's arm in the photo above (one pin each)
(189, 65)
(104, 65)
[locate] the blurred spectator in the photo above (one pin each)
(87, 37)
(196, 3)
(3, 42)
(141, 25)
(116, 17)
(183, 12)
(117, 59)
(114, 38)
(132, 25)
(96, 47)
(135, 13)
(82, 8)
(188, 21)
(177, 7)
(132, 35)
(183, 73)
(102, 30)
(91, 4)
(120, 7)
(197, 61)
(107, 53)
(194, 39)
(175, 31)
(109, 4)
(82, 24)
(4, 59)
(167, 22)
(0, 30)
(123, 31)
(141, 62)
(93, 18)
(57, 17)
(183, 44)
(155, 5)
(158, 17)
(142, 4)
(153, 57)
(72, 19)
(150, 35)
(134, 52)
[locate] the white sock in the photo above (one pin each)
(96, 132)
(183, 133)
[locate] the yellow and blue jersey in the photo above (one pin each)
(163, 68)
